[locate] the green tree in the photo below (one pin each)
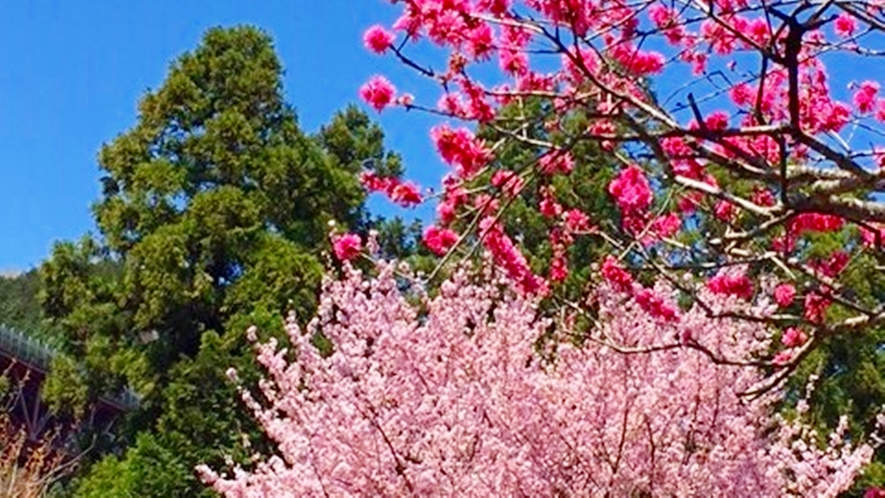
(213, 216)
(20, 306)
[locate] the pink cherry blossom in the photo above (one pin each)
(449, 397)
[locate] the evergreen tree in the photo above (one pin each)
(213, 216)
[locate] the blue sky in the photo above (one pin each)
(71, 77)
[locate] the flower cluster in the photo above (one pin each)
(456, 401)
(378, 92)
(405, 194)
(756, 166)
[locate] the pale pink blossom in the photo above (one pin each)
(449, 397)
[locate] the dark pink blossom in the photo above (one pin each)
(510, 183)
(460, 149)
(347, 246)
(406, 194)
(732, 284)
(631, 190)
(576, 221)
(793, 337)
(375, 183)
(845, 25)
(439, 240)
(655, 305)
(378, 92)
(616, 275)
(865, 97)
(816, 306)
(377, 39)
(784, 295)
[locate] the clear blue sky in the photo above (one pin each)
(72, 72)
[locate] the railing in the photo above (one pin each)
(38, 354)
(26, 348)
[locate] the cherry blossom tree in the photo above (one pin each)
(453, 396)
(733, 144)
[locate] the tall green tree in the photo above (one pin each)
(213, 216)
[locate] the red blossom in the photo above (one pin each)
(496, 7)
(480, 42)
(815, 222)
(763, 197)
(607, 79)
(375, 183)
(547, 206)
(508, 181)
(558, 268)
(576, 221)
(874, 493)
(833, 265)
(725, 211)
(460, 149)
(557, 162)
(869, 237)
(717, 121)
(742, 94)
(510, 258)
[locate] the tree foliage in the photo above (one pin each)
(213, 216)
(20, 306)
